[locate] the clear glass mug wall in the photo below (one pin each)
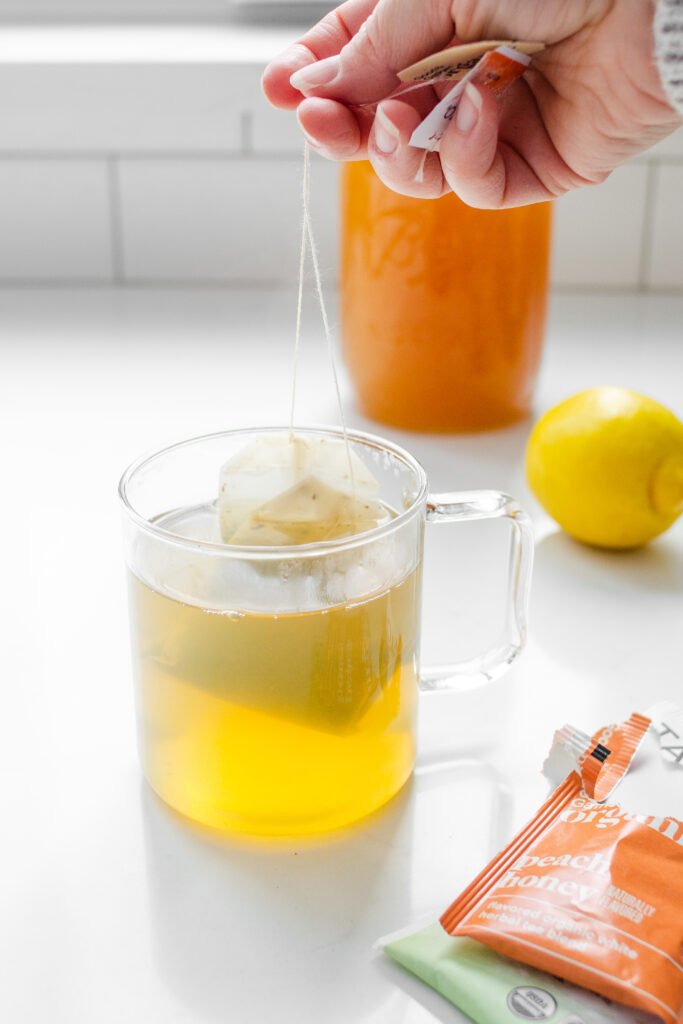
(277, 687)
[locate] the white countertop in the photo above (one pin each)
(113, 908)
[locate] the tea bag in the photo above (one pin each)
(283, 490)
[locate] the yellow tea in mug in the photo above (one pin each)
(277, 723)
(275, 621)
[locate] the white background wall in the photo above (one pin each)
(148, 156)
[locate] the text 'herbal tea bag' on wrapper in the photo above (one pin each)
(283, 490)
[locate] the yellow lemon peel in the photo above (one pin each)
(607, 464)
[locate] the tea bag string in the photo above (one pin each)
(300, 293)
(307, 237)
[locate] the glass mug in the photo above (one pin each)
(277, 687)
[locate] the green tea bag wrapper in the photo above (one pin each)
(492, 989)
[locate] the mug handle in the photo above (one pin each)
(456, 508)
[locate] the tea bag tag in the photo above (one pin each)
(667, 722)
(497, 68)
(455, 62)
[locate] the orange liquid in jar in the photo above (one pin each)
(442, 306)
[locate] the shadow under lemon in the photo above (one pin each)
(604, 612)
(442, 308)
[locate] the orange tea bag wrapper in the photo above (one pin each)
(590, 893)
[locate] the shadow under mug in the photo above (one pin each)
(277, 687)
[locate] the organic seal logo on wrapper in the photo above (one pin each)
(531, 1003)
(588, 892)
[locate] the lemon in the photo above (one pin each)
(607, 464)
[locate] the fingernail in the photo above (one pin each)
(386, 133)
(313, 75)
(469, 108)
(310, 139)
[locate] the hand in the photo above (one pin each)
(591, 100)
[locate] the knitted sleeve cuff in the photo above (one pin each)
(668, 27)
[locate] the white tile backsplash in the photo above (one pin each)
(218, 220)
(599, 231)
(114, 108)
(665, 264)
(275, 131)
(671, 146)
(54, 220)
(163, 170)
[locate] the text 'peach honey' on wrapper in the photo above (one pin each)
(590, 892)
(579, 920)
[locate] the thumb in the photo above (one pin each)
(396, 34)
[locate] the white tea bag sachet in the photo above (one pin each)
(282, 490)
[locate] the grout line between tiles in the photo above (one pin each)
(234, 284)
(146, 283)
(116, 221)
(647, 228)
(664, 158)
(247, 133)
(160, 155)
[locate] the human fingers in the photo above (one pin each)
(402, 167)
(394, 35)
(334, 130)
(496, 155)
(548, 21)
(340, 133)
(324, 40)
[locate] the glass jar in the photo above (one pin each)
(442, 306)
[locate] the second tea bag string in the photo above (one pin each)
(307, 239)
(494, 64)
